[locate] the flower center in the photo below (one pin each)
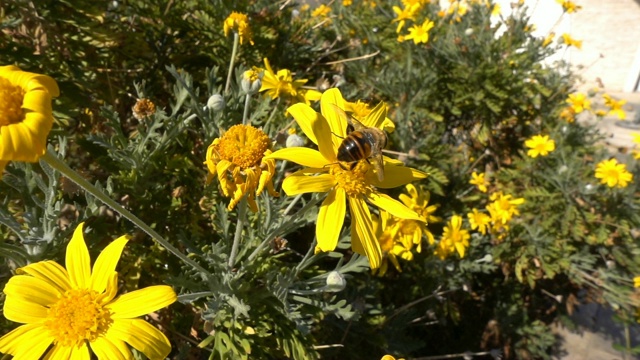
(352, 180)
(10, 103)
(77, 316)
(243, 145)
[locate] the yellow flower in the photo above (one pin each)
(347, 2)
(578, 103)
(282, 83)
(548, 39)
(540, 145)
(454, 238)
(411, 230)
(478, 220)
(238, 23)
(636, 141)
(389, 357)
(568, 114)
(26, 116)
(479, 181)
(569, 6)
(615, 106)
(409, 3)
(612, 173)
(420, 33)
(636, 282)
(238, 160)
(69, 312)
(404, 14)
(386, 230)
(360, 110)
(569, 41)
(355, 185)
(321, 11)
(495, 10)
(503, 207)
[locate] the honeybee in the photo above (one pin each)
(362, 143)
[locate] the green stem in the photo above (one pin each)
(245, 115)
(53, 161)
(236, 41)
(242, 219)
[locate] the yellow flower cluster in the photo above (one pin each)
(500, 211)
(419, 33)
(238, 23)
(237, 159)
(398, 236)
(282, 84)
(569, 41)
(615, 106)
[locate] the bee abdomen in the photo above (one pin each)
(354, 147)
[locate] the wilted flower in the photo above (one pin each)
(356, 185)
(540, 145)
(143, 109)
(237, 158)
(238, 23)
(69, 312)
(282, 83)
(613, 174)
(26, 116)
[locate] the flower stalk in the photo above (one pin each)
(242, 219)
(57, 164)
(234, 51)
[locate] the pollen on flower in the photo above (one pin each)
(243, 145)
(351, 180)
(77, 316)
(10, 103)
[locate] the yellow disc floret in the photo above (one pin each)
(352, 180)
(243, 145)
(10, 103)
(77, 316)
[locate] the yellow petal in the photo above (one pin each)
(315, 127)
(24, 312)
(395, 176)
(51, 272)
(21, 337)
(112, 289)
(142, 302)
(330, 220)
(361, 219)
(332, 106)
(299, 183)
(106, 263)
(107, 349)
(78, 260)
(376, 117)
(29, 81)
(393, 207)
(69, 352)
(33, 290)
(300, 155)
(32, 344)
(141, 336)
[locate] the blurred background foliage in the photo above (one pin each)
(465, 101)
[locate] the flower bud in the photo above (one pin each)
(295, 140)
(335, 282)
(251, 80)
(216, 102)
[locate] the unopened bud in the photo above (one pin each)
(295, 141)
(335, 282)
(216, 102)
(251, 80)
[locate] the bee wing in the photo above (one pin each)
(357, 125)
(378, 166)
